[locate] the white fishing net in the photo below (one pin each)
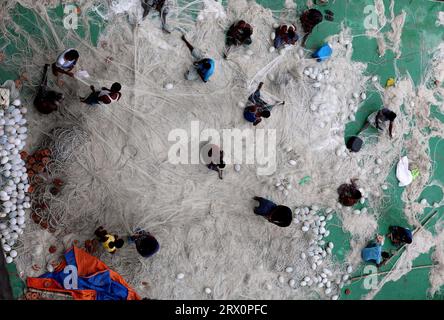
(115, 160)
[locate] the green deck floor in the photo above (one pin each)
(419, 37)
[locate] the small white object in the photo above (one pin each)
(331, 245)
(356, 95)
(349, 269)
(292, 282)
(303, 256)
(275, 25)
(272, 49)
(49, 267)
(281, 279)
(17, 103)
(303, 283)
(317, 85)
(345, 277)
(384, 187)
(424, 202)
(237, 167)
(403, 174)
(305, 228)
(357, 212)
(377, 171)
(375, 78)
(81, 74)
(180, 276)
(241, 104)
(292, 162)
(8, 260)
(13, 253)
(363, 96)
(379, 161)
(207, 290)
(169, 86)
(273, 36)
(335, 297)
(289, 269)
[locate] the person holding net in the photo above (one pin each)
(146, 244)
(162, 6)
(103, 96)
(276, 214)
(203, 68)
(47, 101)
(379, 119)
(109, 242)
(285, 35)
(65, 63)
(258, 108)
(238, 34)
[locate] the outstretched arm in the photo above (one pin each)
(189, 46)
(391, 129)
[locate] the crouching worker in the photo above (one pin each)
(373, 252)
(285, 35)
(379, 121)
(213, 157)
(104, 96)
(400, 235)
(161, 6)
(279, 215)
(109, 242)
(47, 100)
(238, 34)
(203, 68)
(349, 194)
(65, 63)
(258, 108)
(146, 244)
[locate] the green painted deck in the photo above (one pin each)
(419, 37)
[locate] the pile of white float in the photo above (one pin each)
(13, 177)
(314, 222)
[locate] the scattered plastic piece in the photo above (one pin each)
(403, 173)
(304, 180)
(323, 53)
(390, 82)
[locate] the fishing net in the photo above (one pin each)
(114, 159)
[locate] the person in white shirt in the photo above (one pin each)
(65, 63)
(103, 96)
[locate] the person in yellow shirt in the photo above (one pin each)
(109, 242)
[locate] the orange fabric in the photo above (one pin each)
(87, 265)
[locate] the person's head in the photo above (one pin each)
(247, 41)
(118, 243)
(72, 55)
(315, 16)
(281, 216)
(354, 144)
(116, 87)
(147, 246)
(380, 239)
(206, 64)
(390, 115)
(385, 255)
(265, 114)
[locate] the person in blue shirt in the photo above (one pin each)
(258, 108)
(276, 214)
(400, 235)
(285, 35)
(203, 68)
(373, 252)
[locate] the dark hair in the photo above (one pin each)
(385, 255)
(72, 55)
(349, 195)
(390, 115)
(119, 243)
(266, 114)
(281, 216)
(147, 246)
(315, 16)
(247, 40)
(354, 144)
(207, 64)
(116, 87)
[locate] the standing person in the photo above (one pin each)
(109, 242)
(146, 244)
(379, 121)
(203, 68)
(276, 214)
(238, 34)
(104, 96)
(162, 6)
(65, 63)
(47, 100)
(258, 108)
(400, 235)
(373, 252)
(349, 194)
(214, 159)
(310, 19)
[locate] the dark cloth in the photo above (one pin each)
(382, 116)
(147, 5)
(256, 99)
(92, 99)
(349, 195)
(5, 287)
(401, 235)
(239, 34)
(283, 37)
(265, 207)
(309, 19)
(46, 101)
(250, 114)
(146, 244)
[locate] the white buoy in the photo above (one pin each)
(273, 36)
(289, 269)
(375, 78)
(169, 86)
(272, 49)
(13, 254)
(207, 290)
(292, 162)
(281, 279)
(357, 211)
(424, 202)
(292, 283)
(180, 276)
(237, 167)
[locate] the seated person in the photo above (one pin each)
(278, 215)
(349, 194)
(310, 19)
(215, 159)
(104, 96)
(203, 68)
(65, 63)
(146, 244)
(285, 35)
(238, 34)
(400, 235)
(161, 6)
(379, 120)
(258, 108)
(47, 100)
(373, 252)
(109, 242)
